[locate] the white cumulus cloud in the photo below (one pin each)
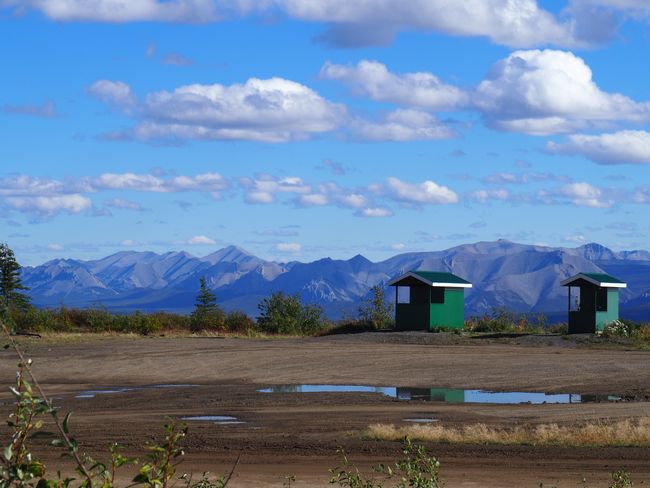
(547, 92)
(623, 147)
(269, 110)
(113, 92)
(264, 188)
(426, 192)
(119, 11)
(421, 90)
(373, 212)
(288, 247)
(212, 183)
(404, 125)
(516, 23)
(585, 195)
(200, 240)
(313, 200)
(50, 205)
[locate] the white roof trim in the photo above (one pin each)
(411, 274)
(602, 284)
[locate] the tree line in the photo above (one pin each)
(280, 313)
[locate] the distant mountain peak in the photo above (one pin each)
(229, 254)
(359, 259)
(521, 277)
(596, 252)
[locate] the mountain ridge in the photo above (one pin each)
(521, 277)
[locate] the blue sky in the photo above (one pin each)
(299, 129)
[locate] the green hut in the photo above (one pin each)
(596, 303)
(435, 299)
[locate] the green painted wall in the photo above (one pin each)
(604, 318)
(451, 313)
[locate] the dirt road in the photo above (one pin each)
(297, 434)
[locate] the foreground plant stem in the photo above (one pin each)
(72, 446)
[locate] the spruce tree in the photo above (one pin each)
(10, 281)
(207, 314)
(206, 301)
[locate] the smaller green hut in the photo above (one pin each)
(434, 299)
(596, 303)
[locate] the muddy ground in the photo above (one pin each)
(298, 433)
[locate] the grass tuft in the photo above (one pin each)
(628, 432)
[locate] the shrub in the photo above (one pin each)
(642, 332)
(500, 319)
(617, 328)
(416, 469)
(95, 320)
(375, 310)
(561, 328)
(211, 321)
(172, 321)
(285, 314)
(239, 322)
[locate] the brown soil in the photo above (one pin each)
(297, 434)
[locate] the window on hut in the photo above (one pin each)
(437, 295)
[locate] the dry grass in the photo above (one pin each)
(629, 432)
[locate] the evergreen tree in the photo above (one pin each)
(207, 314)
(10, 282)
(206, 301)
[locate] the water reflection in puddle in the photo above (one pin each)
(421, 421)
(447, 395)
(94, 393)
(217, 419)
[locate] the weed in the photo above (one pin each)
(500, 319)
(416, 469)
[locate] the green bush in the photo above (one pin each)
(208, 320)
(375, 310)
(415, 470)
(500, 319)
(285, 314)
(239, 322)
(639, 332)
(95, 320)
(561, 328)
(617, 328)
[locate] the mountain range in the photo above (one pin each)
(523, 278)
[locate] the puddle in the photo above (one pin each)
(217, 419)
(387, 391)
(94, 393)
(448, 395)
(421, 421)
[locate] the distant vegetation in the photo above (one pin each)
(280, 314)
(627, 432)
